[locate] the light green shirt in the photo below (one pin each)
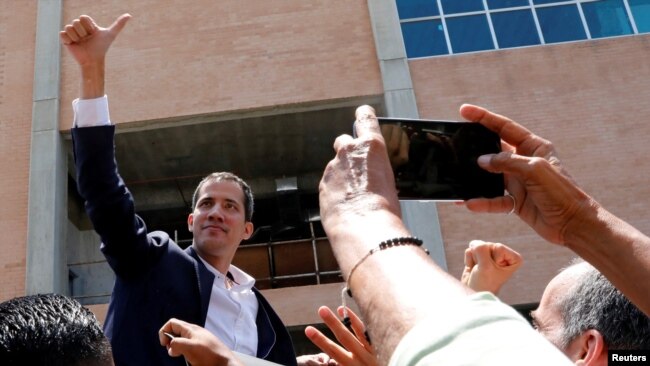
(483, 331)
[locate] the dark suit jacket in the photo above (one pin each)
(156, 279)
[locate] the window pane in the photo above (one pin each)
(470, 33)
(425, 38)
(560, 23)
(417, 8)
(515, 28)
(547, 1)
(641, 12)
(461, 6)
(606, 18)
(500, 4)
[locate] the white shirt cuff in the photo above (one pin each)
(91, 112)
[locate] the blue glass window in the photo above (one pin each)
(641, 13)
(425, 38)
(560, 23)
(469, 33)
(513, 23)
(461, 6)
(606, 18)
(500, 4)
(417, 8)
(515, 28)
(536, 2)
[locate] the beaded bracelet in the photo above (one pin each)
(404, 240)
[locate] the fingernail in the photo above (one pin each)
(364, 111)
(484, 160)
(475, 243)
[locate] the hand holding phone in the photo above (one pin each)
(437, 160)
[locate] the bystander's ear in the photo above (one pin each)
(589, 349)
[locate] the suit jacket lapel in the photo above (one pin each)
(265, 332)
(205, 280)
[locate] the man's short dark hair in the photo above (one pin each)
(53, 330)
(221, 176)
(594, 303)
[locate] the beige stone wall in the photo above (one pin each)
(590, 98)
(17, 32)
(213, 57)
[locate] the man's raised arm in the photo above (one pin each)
(88, 43)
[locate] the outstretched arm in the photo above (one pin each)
(551, 203)
(415, 312)
(88, 43)
(488, 266)
(360, 209)
(109, 204)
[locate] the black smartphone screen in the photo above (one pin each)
(436, 160)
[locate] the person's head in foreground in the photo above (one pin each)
(584, 315)
(51, 330)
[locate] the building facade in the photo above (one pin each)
(262, 88)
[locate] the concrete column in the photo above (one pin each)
(399, 97)
(46, 268)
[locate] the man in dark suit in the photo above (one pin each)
(156, 279)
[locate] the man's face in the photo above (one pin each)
(219, 220)
(547, 319)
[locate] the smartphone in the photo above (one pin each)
(437, 160)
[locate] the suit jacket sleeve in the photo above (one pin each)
(109, 204)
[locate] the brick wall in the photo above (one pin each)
(211, 57)
(17, 32)
(589, 98)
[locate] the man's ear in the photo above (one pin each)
(589, 349)
(190, 222)
(248, 230)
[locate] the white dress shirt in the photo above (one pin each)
(91, 112)
(232, 311)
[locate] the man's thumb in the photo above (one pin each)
(119, 24)
(178, 346)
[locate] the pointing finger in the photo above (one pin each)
(509, 130)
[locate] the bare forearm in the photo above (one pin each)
(394, 288)
(92, 81)
(616, 249)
